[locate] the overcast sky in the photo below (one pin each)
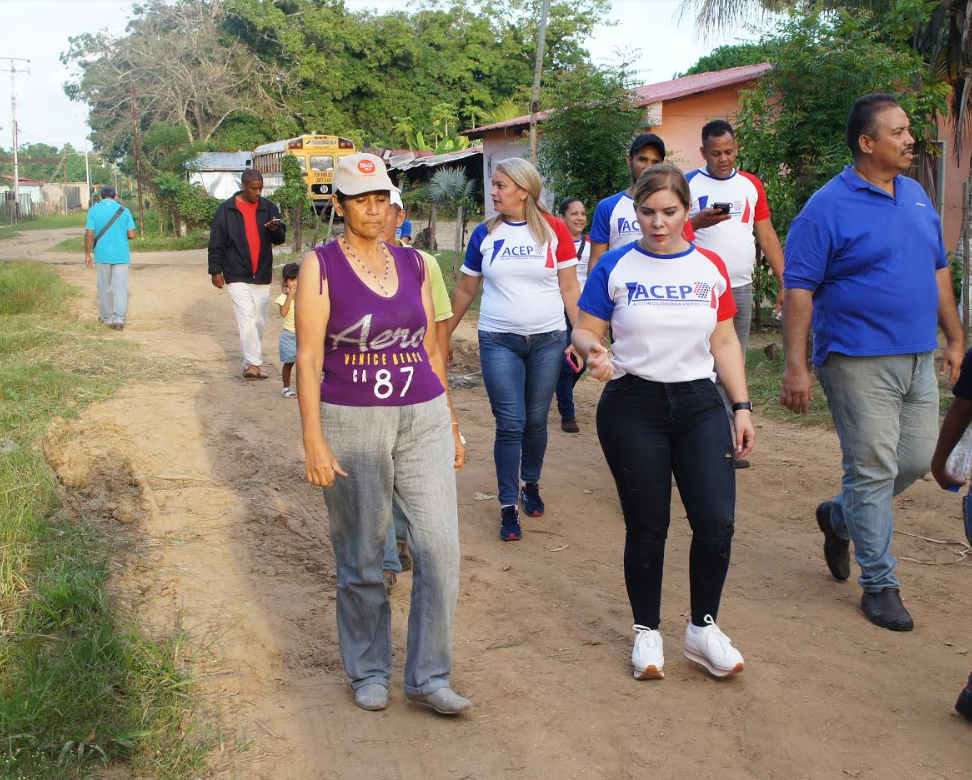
(39, 30)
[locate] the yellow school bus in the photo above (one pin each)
(317, 155)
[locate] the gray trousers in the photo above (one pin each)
(112, 292)
(406, 453)
(742, 321)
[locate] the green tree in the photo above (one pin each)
(292, 198)
(584, 144)
(792, 125)
(731, 56)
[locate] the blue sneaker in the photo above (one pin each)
(532, 503)
(964, 704)
(510, 525)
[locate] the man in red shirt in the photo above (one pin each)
(241, 259)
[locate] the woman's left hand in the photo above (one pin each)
(460, 460)
(745, 433)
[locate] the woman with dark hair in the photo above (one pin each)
(376, 428)
(526, 257)
(670, 309)
(574, 215)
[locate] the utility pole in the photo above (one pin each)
(87, 177)
(537, 71)
(14, 70)
(138, 162)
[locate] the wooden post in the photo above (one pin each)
(537, 72)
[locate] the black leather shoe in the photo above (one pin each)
(886, 610)
(836, 549)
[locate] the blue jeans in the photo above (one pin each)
(885, 410)
(520, 374)
(565, 385)
(112, 292)
(405, 453)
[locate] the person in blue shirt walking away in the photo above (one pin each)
(865, 260)
(956, 422)
(107, 231)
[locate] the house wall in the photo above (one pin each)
(682, 120)
(956, 174)
(502, 145)
(679, 122)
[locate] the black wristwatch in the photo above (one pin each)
(743, 406)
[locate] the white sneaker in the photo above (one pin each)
(647, 656)
(712, 649)
(288, 393)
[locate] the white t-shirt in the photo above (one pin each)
(662, 309)
(733, 239)
(615, 224)
(582, 246)
(521, 290)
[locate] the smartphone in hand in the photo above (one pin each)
(574, 362)
(722, 208)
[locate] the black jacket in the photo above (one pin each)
(229, 252)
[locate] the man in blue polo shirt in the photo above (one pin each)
(107, 231)
(865, 259)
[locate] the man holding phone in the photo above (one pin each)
(728, 206)
(241, 260)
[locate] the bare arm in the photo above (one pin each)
(89, 248)
(569, 291)
(951, 325)
(438, 363)
(957, 419)
(131, 234)
(311, 319)
(769, 242)
(587, 338)
(597, 249)
(285, 306)
(797, 391)
(729, 364)
(466, 290)
(707, 218)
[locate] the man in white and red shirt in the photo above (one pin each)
(728, 207)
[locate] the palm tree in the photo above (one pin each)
(451, 187)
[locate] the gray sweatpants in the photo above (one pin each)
(405, 452)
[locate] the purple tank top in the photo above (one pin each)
(374, 351)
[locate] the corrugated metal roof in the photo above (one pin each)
(222, 161)
(434, 160)
(653, 93)
(23, 182)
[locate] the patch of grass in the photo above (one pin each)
(151, 243)
(73, 219)
(80, 686)
(765, 377)
(445, 258)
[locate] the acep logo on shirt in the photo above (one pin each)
(696, 294)
(503, 249)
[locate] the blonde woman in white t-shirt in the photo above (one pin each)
(525, 259)
(670, 309)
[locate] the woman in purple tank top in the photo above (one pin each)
(380, 425)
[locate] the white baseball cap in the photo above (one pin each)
(359, 173)
(396, 200)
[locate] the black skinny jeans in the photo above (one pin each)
(650, 431)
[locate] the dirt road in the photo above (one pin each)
(228, 536)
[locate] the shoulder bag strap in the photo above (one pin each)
(110, 222)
